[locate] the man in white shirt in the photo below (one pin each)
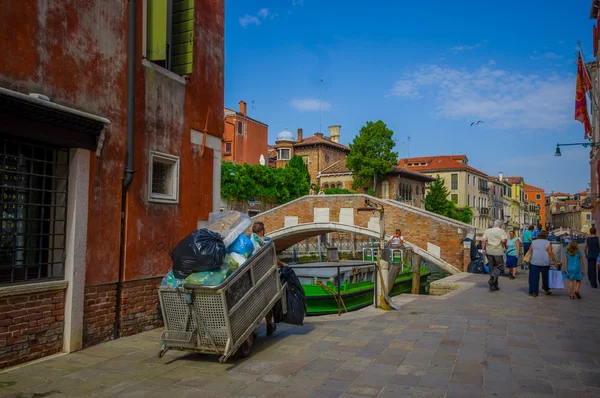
(493, 245)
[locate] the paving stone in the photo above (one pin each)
(463, 391)
(335, 385)
(364, 390)
(405, 380)
(534, 386)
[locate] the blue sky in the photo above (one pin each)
(427, 69)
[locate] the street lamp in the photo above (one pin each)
(584, 144)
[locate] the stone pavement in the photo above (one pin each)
(469, 343)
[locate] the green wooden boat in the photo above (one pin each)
(320, 281)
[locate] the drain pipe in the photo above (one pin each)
(129, 171)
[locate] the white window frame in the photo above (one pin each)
(173, 160)
(280, 150)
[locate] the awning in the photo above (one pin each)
(24, 116)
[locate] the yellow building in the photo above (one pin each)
(467, 186)
(574, 220)
(517, 210)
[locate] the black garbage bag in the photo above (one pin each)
(202, 250)
(295, 298)
(476, 266)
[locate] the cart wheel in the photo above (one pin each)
(247, 346)
(162, 352)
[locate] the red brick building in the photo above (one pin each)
(318, 151)
(245, 140)
(106, 167)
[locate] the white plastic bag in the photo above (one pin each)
(229, 224)
(555, 279)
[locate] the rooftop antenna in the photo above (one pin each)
(252, 105)
(320, 105)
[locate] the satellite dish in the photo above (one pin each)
(262, 160)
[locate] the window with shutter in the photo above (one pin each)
(170, 34)
(182, 37)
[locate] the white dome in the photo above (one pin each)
(285, 135)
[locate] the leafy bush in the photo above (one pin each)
(337, 191)
(254, 181)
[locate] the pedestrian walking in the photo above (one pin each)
(592, 251)
(493, 245)
(527, 238)
(513, 248)
(541, 256)
(574, 268)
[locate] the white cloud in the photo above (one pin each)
(465, 48)
(263, 13)
(561, 42)
(547, 55)
(310, 104)
(297, 2)
(249, 20)
(491, 62)
(502, 99)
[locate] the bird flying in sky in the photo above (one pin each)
(477, 122)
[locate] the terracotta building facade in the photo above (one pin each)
(537, 196)
(111, 151)
(317, 151)
(245, 140)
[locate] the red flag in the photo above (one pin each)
(582, 87)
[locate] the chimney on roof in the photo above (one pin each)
(243, 108)
(299, 135)
(334, 133)
(319, 134)
(501, 176)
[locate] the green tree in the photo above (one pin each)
(243, 182)
(337, 191)
(371, 154)
(298, 163)
(437, 202)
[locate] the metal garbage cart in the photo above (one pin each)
(221, 319)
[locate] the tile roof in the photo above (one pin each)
(583, 193)
(320, 139)
(559, 194)
(514, 180)
(531, 188)
(230, 112)
(338, 167)
(438, 163)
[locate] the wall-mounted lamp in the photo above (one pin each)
(584, 144)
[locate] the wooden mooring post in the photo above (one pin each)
(416, 279)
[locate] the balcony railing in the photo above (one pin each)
(484, 211)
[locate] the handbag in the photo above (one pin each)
(555, 279)
(527, 258)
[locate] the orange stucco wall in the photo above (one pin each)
(531, 196)
(248, 146)
(80, 60)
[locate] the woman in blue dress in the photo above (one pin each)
(574, 269)
(513, 247)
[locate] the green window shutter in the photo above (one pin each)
(156, 35)
(182, 40)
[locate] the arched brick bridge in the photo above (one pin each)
(309, 216)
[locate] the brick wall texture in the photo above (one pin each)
(418, 226)
(31, 327)
(99, 313)
(139, 310)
